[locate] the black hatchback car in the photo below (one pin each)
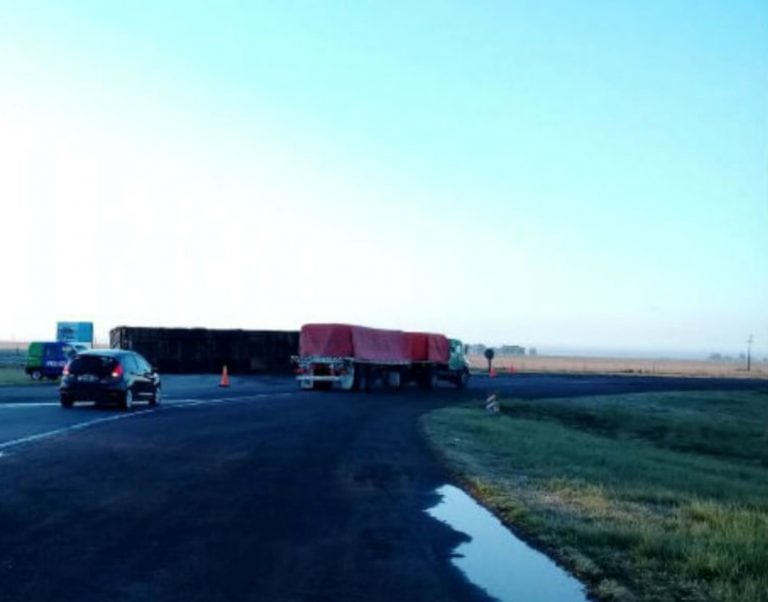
(109, 376)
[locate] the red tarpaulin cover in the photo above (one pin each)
(439, 348)
(344, 340)
(326, 340)
(377, 345)
(428, 347)
(419, 346)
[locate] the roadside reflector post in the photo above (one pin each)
(489, 353)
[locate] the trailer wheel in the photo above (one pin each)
(393, 379)
(363, 379)
(428, 379)
(347, 382)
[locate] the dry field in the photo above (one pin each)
(22, 346)
(13, 345)
(598, 365)
(585, 365)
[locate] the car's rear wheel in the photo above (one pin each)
(157, 397)
(128, 400)
(66, 401)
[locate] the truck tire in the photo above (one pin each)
(462, 380)
(432, 379)
(363, 379)
(393, 379)
(36, 375)
(347, 382)
(428, 379)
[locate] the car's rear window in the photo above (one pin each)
(93, 364)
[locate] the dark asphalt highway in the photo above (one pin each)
(255, 492)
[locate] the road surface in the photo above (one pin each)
(255, 492)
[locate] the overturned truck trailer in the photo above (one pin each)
(355, 357)
(202, 350)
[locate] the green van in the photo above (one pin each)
(47, 360)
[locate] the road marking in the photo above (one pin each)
(70, 428)
(30, 404)
(170, 404)
(41, 404)
(169, 401)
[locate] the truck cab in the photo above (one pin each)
(458, 366)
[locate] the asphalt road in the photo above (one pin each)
(256, 492)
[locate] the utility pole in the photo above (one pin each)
(750, 340)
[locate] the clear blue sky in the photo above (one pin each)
(551, 174)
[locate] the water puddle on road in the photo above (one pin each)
(497, 561)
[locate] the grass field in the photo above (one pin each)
(17, 376)
(645, 496)
(12, 362)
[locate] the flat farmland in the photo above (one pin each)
(606, 365)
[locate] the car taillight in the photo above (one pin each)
(117, 372)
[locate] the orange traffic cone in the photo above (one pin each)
(224, 377)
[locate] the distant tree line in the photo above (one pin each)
(720, 357)
(502, 351)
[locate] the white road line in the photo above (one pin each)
(175, 403)
(72, 427)
(169, 401)
(30, 404)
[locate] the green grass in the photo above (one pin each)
(17, 376)
(12, 362)
(13, 358)
(648, 496)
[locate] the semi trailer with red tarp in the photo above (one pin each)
(355, 357)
